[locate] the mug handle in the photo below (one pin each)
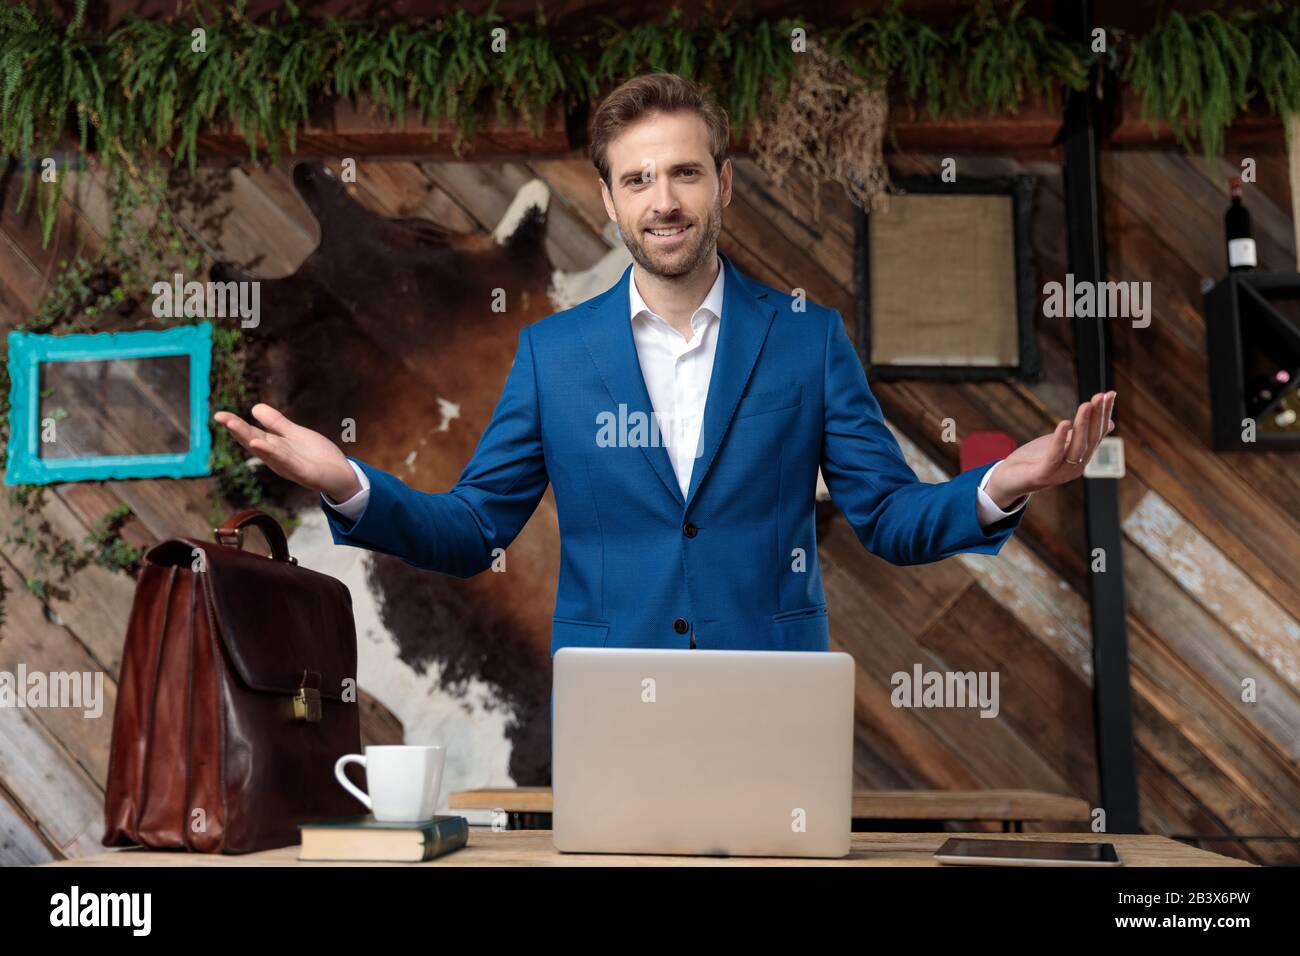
(348, 785)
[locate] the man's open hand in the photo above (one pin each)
(1053, 459)
(291, 451)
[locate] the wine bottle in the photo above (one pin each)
(1283, 413)
(1260, 395)
(1241, 245)
(1264, 375)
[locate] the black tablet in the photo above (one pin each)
(994, 852)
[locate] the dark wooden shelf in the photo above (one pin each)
(1246, 297)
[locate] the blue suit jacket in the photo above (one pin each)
(639, 565)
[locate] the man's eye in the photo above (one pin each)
(690, 172)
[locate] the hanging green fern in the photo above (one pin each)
(44, 73)
(143, 87)
(1008, 57)
(1275, 55)
(741, 61)
(1194, 74)
(894, 45)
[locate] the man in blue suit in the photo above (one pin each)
(681, 417)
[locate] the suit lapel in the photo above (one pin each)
(746, 317)
(607, 331)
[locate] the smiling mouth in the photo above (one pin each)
(667, 232)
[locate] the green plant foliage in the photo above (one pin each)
(1193, 72)
(108, 549)
(742, 61)
(1275, 56)
(1198, 73)
(894, 46)
(992, 60)
(151, 86)
(1009, 56)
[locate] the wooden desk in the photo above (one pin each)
(534, 848)
(529, 808)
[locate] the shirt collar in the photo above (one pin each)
(712, 302)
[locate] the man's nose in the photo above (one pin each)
(663, 200)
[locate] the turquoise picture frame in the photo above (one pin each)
(28, 350)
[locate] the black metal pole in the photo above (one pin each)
(1112, 696)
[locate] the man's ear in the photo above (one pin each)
(724, 181)
(608, 200)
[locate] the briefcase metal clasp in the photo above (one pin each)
(306, 703)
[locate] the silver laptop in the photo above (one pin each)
(733, 753)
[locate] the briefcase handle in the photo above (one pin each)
(233, 528)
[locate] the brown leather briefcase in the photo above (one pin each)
(236, 696)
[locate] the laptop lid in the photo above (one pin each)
(744, 753)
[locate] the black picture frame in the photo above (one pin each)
(1021, 190)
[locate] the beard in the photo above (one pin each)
(695, 251)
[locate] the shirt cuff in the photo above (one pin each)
(986, 510)
(354, 506)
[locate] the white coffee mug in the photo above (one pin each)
(404, 780)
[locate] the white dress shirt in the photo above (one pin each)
(677, 374)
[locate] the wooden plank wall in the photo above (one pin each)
(1211, 540)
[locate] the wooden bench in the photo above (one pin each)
(529, 808)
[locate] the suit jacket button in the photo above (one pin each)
(689, 530)
(681, 626)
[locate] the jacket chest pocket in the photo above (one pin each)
(770, 401)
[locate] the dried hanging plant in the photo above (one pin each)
(829, 126)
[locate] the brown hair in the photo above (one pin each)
(650, 93)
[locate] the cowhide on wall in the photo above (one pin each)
(390, 323)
